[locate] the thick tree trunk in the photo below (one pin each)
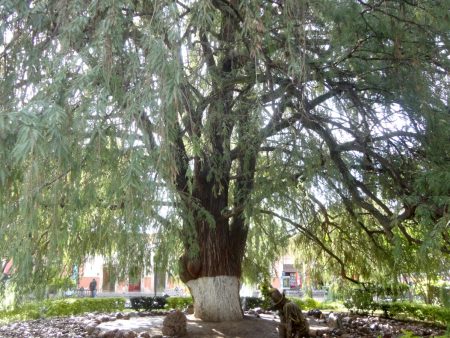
(211, 265)
(216, 299)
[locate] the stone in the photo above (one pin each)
(374, 326)
(347, 320)
(334, 321)
(175, 324)
(108, 334)
(144, 335)
(119, 315)
(91, 328)
(258, 310)
(337, 332)
(316, 313)
(189, 309)
(125, 334)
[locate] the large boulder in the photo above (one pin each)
(175, 324)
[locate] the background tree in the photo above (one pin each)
(217, 121)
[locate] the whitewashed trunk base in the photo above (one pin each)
(216, 299)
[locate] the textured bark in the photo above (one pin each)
(216, 299)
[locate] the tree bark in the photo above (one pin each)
(216, 299)
(214, 249)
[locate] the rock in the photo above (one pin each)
(189, 309)
(365, 330)
(258, 310)
(316, 313)
(347, 320)
(337, 332)
(174, 324)
(144, 335)
(374, 326)
(334, 321)
(125, 334)
(119, 315)
(103, 319)
(108, 334)
(315, 332)
(91, 328)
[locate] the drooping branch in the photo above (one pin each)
(316, 240)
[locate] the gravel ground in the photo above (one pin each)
(254, 325)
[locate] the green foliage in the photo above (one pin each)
(32, 310)
(264, 288)
(363, 299)
(61, 307)
(416, 311)
(73, 306)
(61, 284)
(253, 302)
(363, 302)
(360, 300)
(308, 303)
(323, 119)
(408, 334)
(178, 303)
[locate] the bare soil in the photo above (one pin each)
(249, 327)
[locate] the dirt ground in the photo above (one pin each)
(264, 325)
(250, 327)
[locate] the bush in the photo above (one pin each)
(73, 306)
(307, 303)
(22, 312)
(251, 303)
(360, 300)
(148, 303)
(178, 303)
(62, 307)
(416, 311)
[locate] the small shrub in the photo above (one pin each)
(265, 288)
(251, 303)
(178, 303)
(148, 303)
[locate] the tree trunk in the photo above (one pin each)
(211, 265)
(216, 299)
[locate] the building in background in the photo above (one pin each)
(287, 277)
(137, 280)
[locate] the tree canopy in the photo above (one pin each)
(227, 126)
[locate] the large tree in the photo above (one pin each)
(211, 120)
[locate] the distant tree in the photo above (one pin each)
(216, 122)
